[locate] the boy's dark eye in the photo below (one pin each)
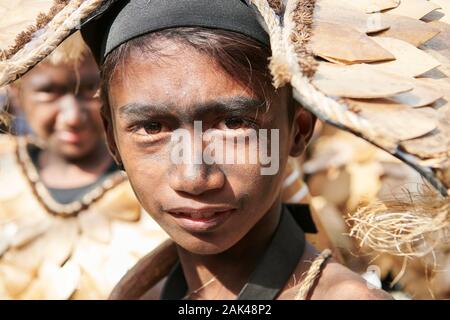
(152, 128)
(234, 123)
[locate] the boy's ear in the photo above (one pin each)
(110, 137)
(302, 130)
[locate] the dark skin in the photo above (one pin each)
(149, 100)
(61, 108)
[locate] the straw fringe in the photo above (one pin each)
(411, 224)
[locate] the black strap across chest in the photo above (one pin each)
(271, 273)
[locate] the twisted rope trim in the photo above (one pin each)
(46, 200)
(312, 275)
(279, 68)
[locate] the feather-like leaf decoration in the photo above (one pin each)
(346, 45)
(372, 6)
(409, 61)
(358, 81)
(416, 9)
(443, 14)
(395, 120)
(335, 12)
(415, 32)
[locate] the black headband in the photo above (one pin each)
(124, 20)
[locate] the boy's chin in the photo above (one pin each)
(203, 247)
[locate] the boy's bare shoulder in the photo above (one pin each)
(335, 282)
(340, 283)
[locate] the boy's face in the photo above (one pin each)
(59, 104)
(205, 208)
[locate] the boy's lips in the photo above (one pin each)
(201, 219)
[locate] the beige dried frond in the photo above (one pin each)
(410, 224)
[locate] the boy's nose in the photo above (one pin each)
(196, 179)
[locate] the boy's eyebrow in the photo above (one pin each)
(142, 110)
(235, 105)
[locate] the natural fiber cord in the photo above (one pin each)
(313, 275)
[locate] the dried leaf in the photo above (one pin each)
(409, 61)
(395, 120)
(28, 257)
(421, 95)
(7, 232)
(445, 5)
(442, 85)
(30, 231)
(90, 255)
(430, 146)
(371, 6)
(416, 9)
(344, 44)
(15, 279)
(357, 81)
(60, 282)
(439, 46)
(87, 289)
(338, 13)
(119, 203)
(95, 225)
(60, 241)
(413, 31)
(435, 144)
(138, 238)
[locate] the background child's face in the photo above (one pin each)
(149, 99)
(59, 104)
